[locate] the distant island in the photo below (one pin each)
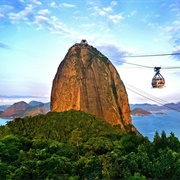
(140, 112)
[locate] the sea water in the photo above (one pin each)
(168, 120)
(3, 121)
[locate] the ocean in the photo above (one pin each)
(168, 120)
(3, 121)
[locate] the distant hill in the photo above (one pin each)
(1, 112)
(4, 107)
(140, 112)
(15, 110)
(22, 109)
(47, 105)
(35, 103)
(37, 107)
(154, 107)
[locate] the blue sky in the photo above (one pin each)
(36, 35)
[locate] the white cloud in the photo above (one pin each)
(36, 2)
(67, 5)
(113, 3)
(133, 13)
(107, 12)
(174, 7)
(1, 15)
(22, 15)
(50, 23)
(108, 9)
(115, 18)
(88, 25)
(5, 8)
(44, 11)
(53, 4)
(176, 23)
(114, 52)
(172, 28)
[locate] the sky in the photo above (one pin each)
(36, 35)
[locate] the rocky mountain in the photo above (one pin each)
(21, 109)
(140, 112)
(86, 80)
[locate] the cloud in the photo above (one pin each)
(18, 96)
(8, 100)
(1, 15)
(174, 7)
(115, 18)
(44, 11)
(53, 4)
(67, 5)
(26, 14)
(107, 12)
(132, 13)
(113, 52)
(50, 23)
(88, 25)
(32, 15)
(113, 3)
(176, 54)
(5, 46)
(36, 2)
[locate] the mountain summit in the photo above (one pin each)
(86, 80)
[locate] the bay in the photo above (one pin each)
(3, 121)
(168, 120)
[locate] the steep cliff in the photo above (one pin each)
(86, 80)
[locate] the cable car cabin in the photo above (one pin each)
(158, 81)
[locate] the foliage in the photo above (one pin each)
(76, 145)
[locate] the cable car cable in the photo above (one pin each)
(146, 55)
(151, 55)
(150, 97)
(147, 94)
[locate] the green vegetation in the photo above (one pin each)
(76, 145)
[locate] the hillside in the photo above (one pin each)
(77, 145)
(59, 126)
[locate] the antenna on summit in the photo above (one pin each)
(84, 42)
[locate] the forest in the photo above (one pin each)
(74, 145)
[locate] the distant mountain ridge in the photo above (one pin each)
(33, 107)
(154, 107)
(22, 109)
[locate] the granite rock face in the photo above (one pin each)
(86, 80)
